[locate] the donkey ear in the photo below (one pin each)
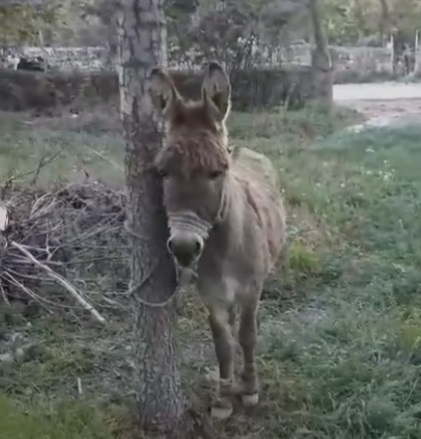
(163, 91)
(216, 88)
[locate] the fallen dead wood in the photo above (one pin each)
(61, 280)
(72, 236)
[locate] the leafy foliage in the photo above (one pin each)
(229, 30)
(369, 21)
(25, 23)
(232, 30)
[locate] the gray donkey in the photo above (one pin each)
(226, 220)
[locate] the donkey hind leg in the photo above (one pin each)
(219, 320)
(249, 387)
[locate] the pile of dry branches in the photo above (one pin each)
(69, 235)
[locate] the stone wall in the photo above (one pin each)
(361, 60)
(346, 61)
(68, 59)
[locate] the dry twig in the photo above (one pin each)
(74, 229)
(60, 280)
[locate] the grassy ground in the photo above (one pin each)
(340, 341)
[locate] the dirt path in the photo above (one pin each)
(383, 104)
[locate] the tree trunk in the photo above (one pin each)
(417, 68)
(384, 24)
(320, 58)
(360, 19)
(142, 45)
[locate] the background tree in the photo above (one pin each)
(384, 22)
(320, 56)
(369, 21)
(26, 22)
(142, 45)
(236, 32)
(103, 11)
(225, 28)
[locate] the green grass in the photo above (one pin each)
(66, 420)
(92, 144)
(340, 348)
(359, 355)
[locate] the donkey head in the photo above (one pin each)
(195, 160)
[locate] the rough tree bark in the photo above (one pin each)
(417, 68)
(359, 18)
(384, 23)
(320, 57)
(142, 45)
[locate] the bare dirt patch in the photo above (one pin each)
(382, 104)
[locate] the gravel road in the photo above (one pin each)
(383, 103)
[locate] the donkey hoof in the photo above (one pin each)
(250, 400)
(221, 410)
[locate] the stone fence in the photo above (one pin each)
(365, 60)
(359, 60)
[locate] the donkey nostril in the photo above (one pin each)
(197, 247)
(170, 246)
(184, 248)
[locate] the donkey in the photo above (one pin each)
(226, 221)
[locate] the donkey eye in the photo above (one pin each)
(215, 174)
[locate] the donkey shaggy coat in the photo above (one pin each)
(226, 221)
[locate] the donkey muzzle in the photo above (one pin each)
(186, 247)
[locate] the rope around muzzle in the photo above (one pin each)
(185, 220)
(190, 222)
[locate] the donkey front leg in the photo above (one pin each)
(247, 337)
(219, 319)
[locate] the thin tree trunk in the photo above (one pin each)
(384, 23)
(320, 57)
(360, 19)
(417, 68)
(142, 45)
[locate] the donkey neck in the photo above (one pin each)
(227, 232)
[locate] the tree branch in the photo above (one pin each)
(60, 280)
